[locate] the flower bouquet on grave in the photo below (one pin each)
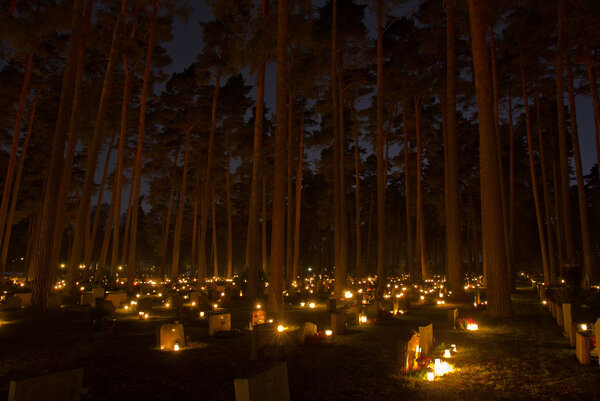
(466, 324)
(424, 362)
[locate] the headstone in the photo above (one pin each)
(452, 316)
(87, 299)
(269, 384)
(54, 301)
(582, 348)
(559, 315)
(331, 305)
(116, 298)
(263, 337)
(171, 334)
(144, 305)
(25, 298)
(60, 386)
(258, 317)
(338, 322)
(567, 319)
(108, 307)
(98, 292)
(176, 300)
(195, 296)
(307, 329)
(408, 353)
(426, 338)
(12, 303)
(221, 322)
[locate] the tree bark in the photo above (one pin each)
(167, 222)
(229, 218)
(511, 185)
(214, 234)
(298, 202)
(421, 238)
(360, 271)
(263, 241)
(180, 209)
(338, 289)
(410, 247)
(494, 257)
(589, 65)
(381, 266)
(289, 241)
(343, 266)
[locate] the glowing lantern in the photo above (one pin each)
(201, 314)
(472, 326)
(258, 306)
(363, 319)
(583, 326)
(447, 353)
(176, 347)
(348, 294)
(302, 304)
(328, 333)
(280, 328)
(430, 376)
(311, 305)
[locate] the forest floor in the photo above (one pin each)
(524, 357)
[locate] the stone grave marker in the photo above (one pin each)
(98, 292)
(307, 329)
(258, 317)
(60, 386)
(559, 315)
(338, 322)
(268, 384)
(263, 336)
(144, 305)
(426, 338)
(54, 302)
(87, 299)
(117, 298)
(176, 300)
(12, 303)
(220, 322)
(452, 316)
(408, 353)
(567, 319)
(582, 348)
(25, 298)
(331, 305)
(171, 334)
(195, 297)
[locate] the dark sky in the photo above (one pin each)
(187, 44)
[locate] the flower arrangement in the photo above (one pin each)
(466, 324)
(424, 362)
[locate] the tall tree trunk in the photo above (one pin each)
(126, 231)
(453, 224)
(289, 240)
(511, 185)
(420, 215)
(12, 158)
(15, 191)
(369, 231)
(360, 271)
(381, 266)
(275, 302)
(229, 217)
(118, 187)
(338, 289)
(214, 233)
(410, 248)
(494, 257)
(583, 216)
(298, 202)
(35, 236)
(545, 191)
(82, 214)
(167, 221)
(204, 201)
(589, 65)
(44, 270)
(343, 266)
(560, 240)
(137, 171)
(263, 233)
(195, 219)
(562, 140)
(105, 242)
(534, 185)
(180, 209)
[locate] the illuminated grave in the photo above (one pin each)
(582, 348)
(426, 335)
(171, 337)
(219, 322)
(258, 317)
(117, 298)
(307, 329)
(409, 350)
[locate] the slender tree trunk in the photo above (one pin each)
(275, 302)
(118, 187)
(562, 140)
(229, 217)
(298, 202)
(289, 240)
(195, 218)
(105, 242)
(545, 191)
(214, 233)
(583, 216)
(180, 209)
(263, 242)
(453, 224)
(511, 189)
(534, 185)
(360, 271)
(589, 65)
(343, 266)
(167, 222)
(82, 214)
(204, 202)
(494, 255)
(381, 266)
(126, 231)
(557, 212)
(338, 279)
(420, 215)
(369, 231)
(15, 191)
(44, 270)
(410, 248)
(137, 173)
(12, 158)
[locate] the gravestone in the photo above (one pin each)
(98, 292)
(195, 297)
(220, 322)
(268, 384)
(171, 334)
(258, 317)
(60, 386)
(567, 319)
(25, 298)
(263, 337)
(117, 298)
(582, 348)
(307, 329)
(108, 307)
(144, 305)
(87, 299)
(54, 302)
(426, 338)
(331, 305)
(12, 303)
(559, 315)
(408, 353)
(338, 322)
(176, 300)
(452, 316)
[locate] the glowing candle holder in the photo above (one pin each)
(430, 376)
(328, 333)
(447, 354)
(472, 326)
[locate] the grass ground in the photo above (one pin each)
(524, 357)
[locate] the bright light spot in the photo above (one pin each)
(348, 294)
(447, 353)
(422, 297)
(215, 306)
(201, 314)
(363, 319)
(545, 302)
(82, 288)
(193, 303)
(146, 316)
(311, 305)
(168, 305)
(176, 347)
(472, 326)
(126, 307)
(328, 333)
(280, 328)
(583, 326)
(441, 368)
(302, 304)
(430, 376)
(258, 306)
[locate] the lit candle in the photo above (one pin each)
(447, 353)
(430, 376)
(328, 333)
